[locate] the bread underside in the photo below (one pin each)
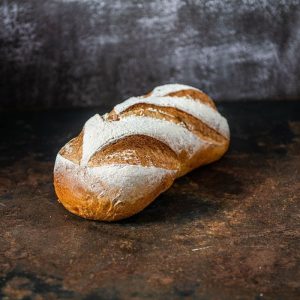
(120, 162)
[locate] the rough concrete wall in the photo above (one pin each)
(88, 52)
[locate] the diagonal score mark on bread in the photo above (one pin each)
(173, 115)
(137, 150)
(122, 161)
(194, 94)
(99, 133)
(73, 149)
(173, 106)
(181, 90)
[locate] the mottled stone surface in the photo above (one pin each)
(82, 53)
(229, 230)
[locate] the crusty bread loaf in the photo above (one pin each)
(122, 161)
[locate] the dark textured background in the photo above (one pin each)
(227, 231)
(89, 52)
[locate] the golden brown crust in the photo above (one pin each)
(204, 156)
(137, 150)
(195, 95)
(73, 149)
(77, 199)
(192, 94)
(174, 115)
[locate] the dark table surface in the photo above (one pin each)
(230, 230)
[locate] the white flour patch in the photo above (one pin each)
(124, 182)
(199, 110)
(99, 133)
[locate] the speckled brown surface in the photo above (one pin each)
(226, 231)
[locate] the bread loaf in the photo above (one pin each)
(121, 161)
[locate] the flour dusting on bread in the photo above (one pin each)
(100, 133)
(123, 160)
(166, 89)
(126, 182)
(197, 109)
